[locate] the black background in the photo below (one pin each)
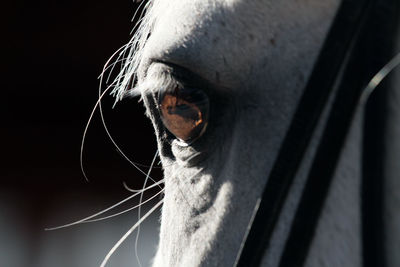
(52, 55)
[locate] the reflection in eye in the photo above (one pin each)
(184, 112)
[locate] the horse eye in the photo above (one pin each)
(184, 112)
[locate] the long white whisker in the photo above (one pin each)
(115, 247)
(125, 211)
(139, 209)
(137, 10)
(137, 42)
(103, 211)
(107, 67)
(134, 164)
(139, 18)
(92, 113)
(137, 190)
(85, 132)
(121, 58)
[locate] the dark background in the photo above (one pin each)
(53, 52)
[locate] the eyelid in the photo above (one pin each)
(169, 73)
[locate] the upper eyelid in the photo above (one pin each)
(167, 75)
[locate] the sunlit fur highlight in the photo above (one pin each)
(130, 57)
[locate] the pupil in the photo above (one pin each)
(184, 113)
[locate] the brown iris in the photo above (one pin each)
(184, 112)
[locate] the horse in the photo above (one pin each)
(221, 82)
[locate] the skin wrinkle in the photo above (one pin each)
(256, 55)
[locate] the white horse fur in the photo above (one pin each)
(257, 55)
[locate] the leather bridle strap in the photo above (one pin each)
(336, 58)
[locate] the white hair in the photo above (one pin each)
(129, 56)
